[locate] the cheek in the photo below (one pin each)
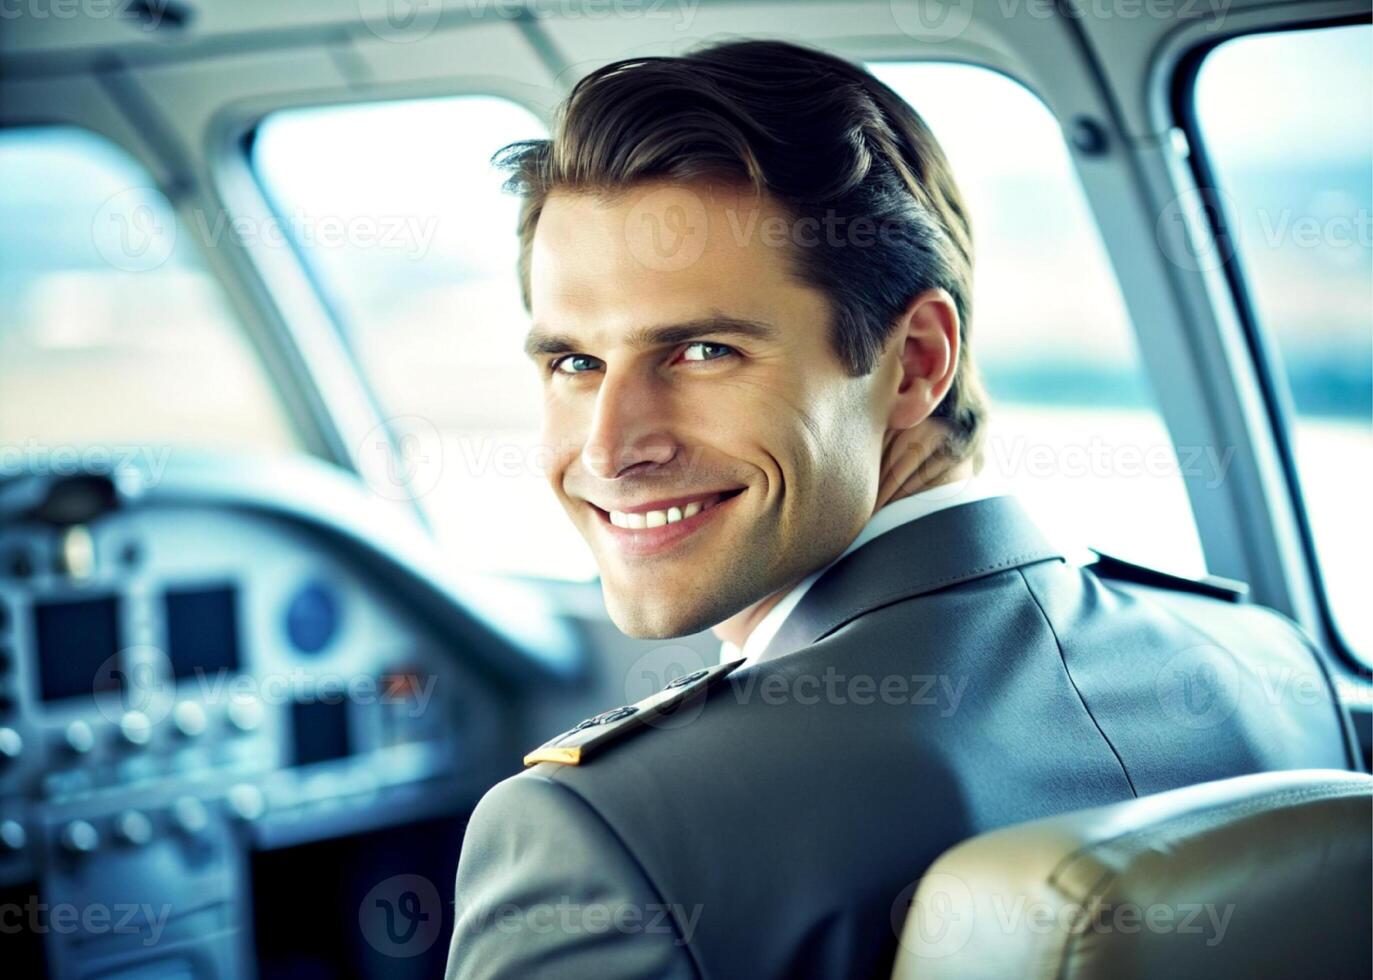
(750, 422)
(837, 449)
(776, 422)
(559, 441)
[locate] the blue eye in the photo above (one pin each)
(576, 364)
(704, 350)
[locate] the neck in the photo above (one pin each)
(911, 462)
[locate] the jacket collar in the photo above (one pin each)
(946, 548)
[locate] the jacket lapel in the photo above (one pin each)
(946, 548)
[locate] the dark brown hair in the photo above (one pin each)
(824, 138)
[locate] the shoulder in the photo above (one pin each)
(1211, 605)
(1116, 569)
(584, 742)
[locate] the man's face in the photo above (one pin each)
(701, 430)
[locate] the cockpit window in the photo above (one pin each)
(400, 216)
(114, 338)
(1296, 194)
(1074, 426)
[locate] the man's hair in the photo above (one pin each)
(824, 139)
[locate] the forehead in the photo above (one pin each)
(661, 250)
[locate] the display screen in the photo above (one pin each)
(202, 631)
(321, 730)
(77, 641)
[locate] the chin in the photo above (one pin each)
(645, 621)
(651, 617)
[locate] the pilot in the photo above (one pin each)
(749, 274)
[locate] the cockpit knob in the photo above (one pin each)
(79, 837)
(11, 745)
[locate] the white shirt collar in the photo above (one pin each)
(893, 515)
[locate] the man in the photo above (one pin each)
(749, 275)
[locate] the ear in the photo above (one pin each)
(926, 346)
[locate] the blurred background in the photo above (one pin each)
(239, 248)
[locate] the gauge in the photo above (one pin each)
(313, 616)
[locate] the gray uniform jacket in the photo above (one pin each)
(951, 676)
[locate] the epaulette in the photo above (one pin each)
(1111, 567)
(587, 738)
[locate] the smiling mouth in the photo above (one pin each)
(664, 512)
(654, 526)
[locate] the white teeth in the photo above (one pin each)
(657, 518)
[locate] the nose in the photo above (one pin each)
(629, 427)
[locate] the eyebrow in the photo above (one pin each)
(541, 342)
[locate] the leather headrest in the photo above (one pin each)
(1266, 875)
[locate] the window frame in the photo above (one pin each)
(1259, 347)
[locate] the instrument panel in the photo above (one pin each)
(184, 686)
